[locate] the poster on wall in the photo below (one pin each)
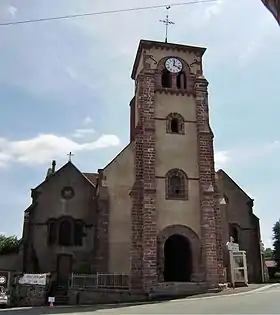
(38, 279)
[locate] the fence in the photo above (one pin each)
(100, 281)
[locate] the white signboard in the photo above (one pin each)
(51, 299)
(233, 246)
(39, 279)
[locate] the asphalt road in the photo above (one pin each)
(261, 301)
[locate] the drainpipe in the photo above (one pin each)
(262, 262)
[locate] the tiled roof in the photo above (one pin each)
(92, 177)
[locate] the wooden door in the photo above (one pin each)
(64, 267)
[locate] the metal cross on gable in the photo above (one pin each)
(167, 22)
(70, 156)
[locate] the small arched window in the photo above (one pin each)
(176, 184)
(175, 123)
(65, 233)
(52, 235)
(166, 79)
(181, 81)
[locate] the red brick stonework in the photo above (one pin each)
(144, 218)
(210, 211)
(101, 219)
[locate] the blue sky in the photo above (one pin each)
(65, 86)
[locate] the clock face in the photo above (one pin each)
(173, 65)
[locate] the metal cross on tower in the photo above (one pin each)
(167, 22)
(70, 156)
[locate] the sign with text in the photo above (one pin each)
(233, 246)
(38, 279)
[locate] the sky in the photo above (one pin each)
(65, 86)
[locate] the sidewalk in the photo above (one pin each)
(226, 292)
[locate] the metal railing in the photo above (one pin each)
(100, 281)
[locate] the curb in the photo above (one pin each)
(266, 287)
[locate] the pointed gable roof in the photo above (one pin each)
(88, 178)
(92, 177)
(224, 175)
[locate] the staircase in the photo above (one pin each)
(60, 292)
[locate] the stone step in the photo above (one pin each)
(61, 300)
(173, 289)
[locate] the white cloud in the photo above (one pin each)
(221, 158)
(80, 133)
(71, 72)
(244, 155)
(12, 10)
(87, 120)
(44, 147)
(203, 13)
(4, 158)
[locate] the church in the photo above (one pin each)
(158, 211)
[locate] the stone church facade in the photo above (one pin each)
(155, 210)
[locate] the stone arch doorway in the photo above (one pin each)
(177, 259)
(185, 237)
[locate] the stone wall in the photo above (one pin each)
(94, 296)
(27, 295)
(210, 212)
(10, 262)
(144, 215)
(238, 213)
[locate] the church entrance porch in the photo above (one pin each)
(177, 259)
(179, 255)
(180, 265)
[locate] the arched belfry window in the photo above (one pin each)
(181, 81)
(175, 124)
(65, 233)
(176, 184)
(166, 79)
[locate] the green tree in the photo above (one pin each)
(276, 242)
(268, 253)
(9, 244)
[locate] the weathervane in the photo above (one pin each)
(70, 156)
(167, 22)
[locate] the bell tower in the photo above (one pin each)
(174, 191)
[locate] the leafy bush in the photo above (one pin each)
(276, 243)
(9, 244)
